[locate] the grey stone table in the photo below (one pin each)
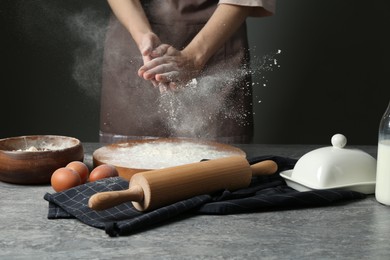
(355, 230)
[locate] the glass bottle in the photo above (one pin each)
(382, 188)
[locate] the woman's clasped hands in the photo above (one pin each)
(166, 67)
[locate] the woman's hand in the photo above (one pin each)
(150, 48)
(149, 42)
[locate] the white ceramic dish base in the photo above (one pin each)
(363, 187)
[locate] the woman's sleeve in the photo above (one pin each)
(260, 7)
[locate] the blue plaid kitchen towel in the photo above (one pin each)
(265, 193)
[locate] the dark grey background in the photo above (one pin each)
(333, 75)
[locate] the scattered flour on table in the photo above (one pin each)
(162, 155)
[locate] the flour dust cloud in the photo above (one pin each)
(60, 25)
(193, 108)
(90, 27)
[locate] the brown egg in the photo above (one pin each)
(64, 178)
(81, 168)
(103, 171)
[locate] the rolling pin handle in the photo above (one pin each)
(109, 199)
(266, 167)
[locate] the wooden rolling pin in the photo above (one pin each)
(153, 189)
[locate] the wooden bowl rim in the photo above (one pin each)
(76, 143)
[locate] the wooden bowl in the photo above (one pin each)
(33, 159)
(134, 156)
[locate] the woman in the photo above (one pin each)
(178, 68)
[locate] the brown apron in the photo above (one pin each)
(216, 106)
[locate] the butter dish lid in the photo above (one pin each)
(334, 167)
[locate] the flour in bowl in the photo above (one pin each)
(158, 155)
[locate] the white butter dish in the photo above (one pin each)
(333, 167)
